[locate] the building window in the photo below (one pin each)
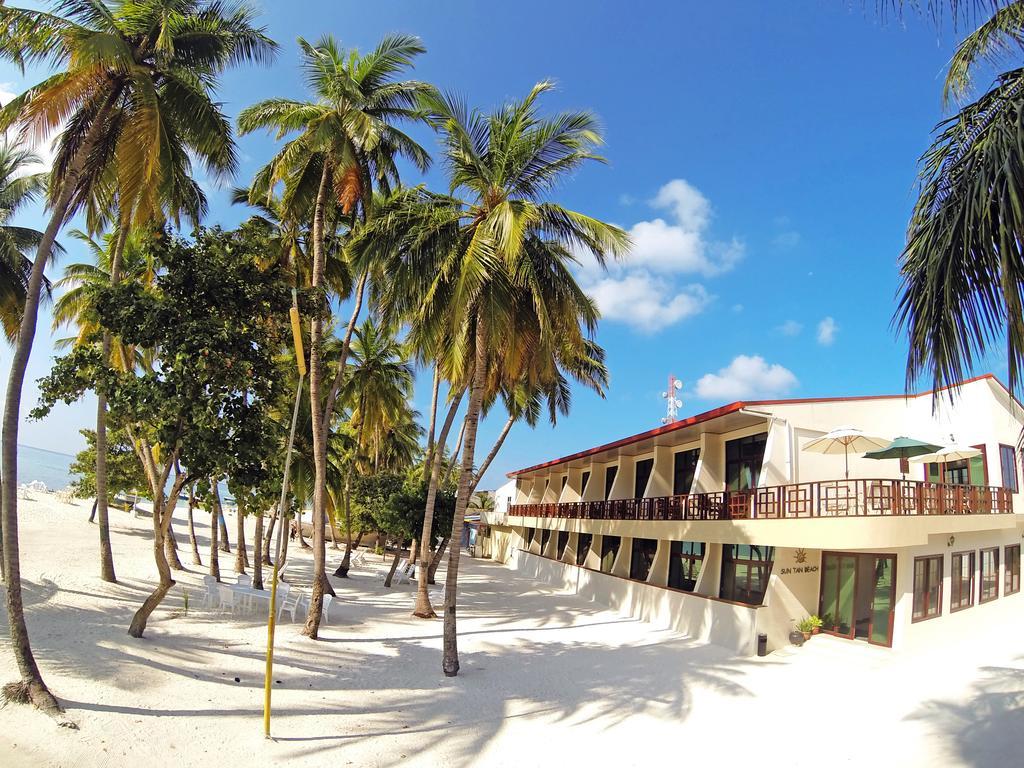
(961, 581)
(683, 471)
(1011, 579)
(641, 559)
(563, 542)
(529, 537)
(609, 481)
(1008, 464)
(927, 588)
(973, 471)
(989, 574)
(743, 459)
(643, 474)
(545, 536)
(583, 485)
(609, 550)
(565, 479)
(685, 560)
(745, 572)
(583, 547)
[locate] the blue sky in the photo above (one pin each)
(762, 155)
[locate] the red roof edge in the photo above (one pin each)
(733, 408)
(688, 422)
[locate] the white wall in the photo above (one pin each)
(704, 619)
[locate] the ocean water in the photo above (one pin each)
(49, 467)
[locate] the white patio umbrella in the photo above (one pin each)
(949, 453)
(843, 440)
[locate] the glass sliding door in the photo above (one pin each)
(858, 595)
(883, 600)
(839, 578)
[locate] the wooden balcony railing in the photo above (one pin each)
(828, 498)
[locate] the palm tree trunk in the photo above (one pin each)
(297, 522)
(214, 514)
(316, 598)
(171, 542)
(424, 609)
(106, 553)
(268, 537)
(196, 559)
(494, 452)
(458, 443)
(240, 540)
(346, 346)
(435, 561)
(222, 523)
(257, 554)
(31, 684)
(411, 564)
(433, 421)
(346, 561)
(334, 532)
(450, 656)
(394, 566)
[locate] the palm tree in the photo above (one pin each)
(525, 401)
(376, 389)
(489, 275)
(963, 265)
(123, 255)
(345, 147)
(17, 189)
(132, 96)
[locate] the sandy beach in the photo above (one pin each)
(546, 677)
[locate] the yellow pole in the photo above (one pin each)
(282, 507)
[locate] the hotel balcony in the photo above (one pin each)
(820, 499)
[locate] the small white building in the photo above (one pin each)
(721, 526)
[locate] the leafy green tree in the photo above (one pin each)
(124, 473)
(485, 281)
(344, 145)
(217, 322)
(131, 91)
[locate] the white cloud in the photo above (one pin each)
(827, 330)
(646, 290)
(680, 244)
(646, 303)
(45, 150)
(790, 328)
(746, 377)
(737, 307)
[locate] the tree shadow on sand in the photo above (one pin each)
(985, 729)
(527, 651)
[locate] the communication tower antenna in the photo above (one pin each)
(673, 402)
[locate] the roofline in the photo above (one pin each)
(739, 405)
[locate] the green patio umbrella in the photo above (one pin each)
(903, 448)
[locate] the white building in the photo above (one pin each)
(721, 525)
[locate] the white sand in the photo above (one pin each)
(547, 678)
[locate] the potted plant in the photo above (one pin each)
(816, 623)
(805, 626)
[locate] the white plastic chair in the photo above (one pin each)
(211, 597)
(328, 599)
(291, 602)
(383, 575)
(227, 596)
